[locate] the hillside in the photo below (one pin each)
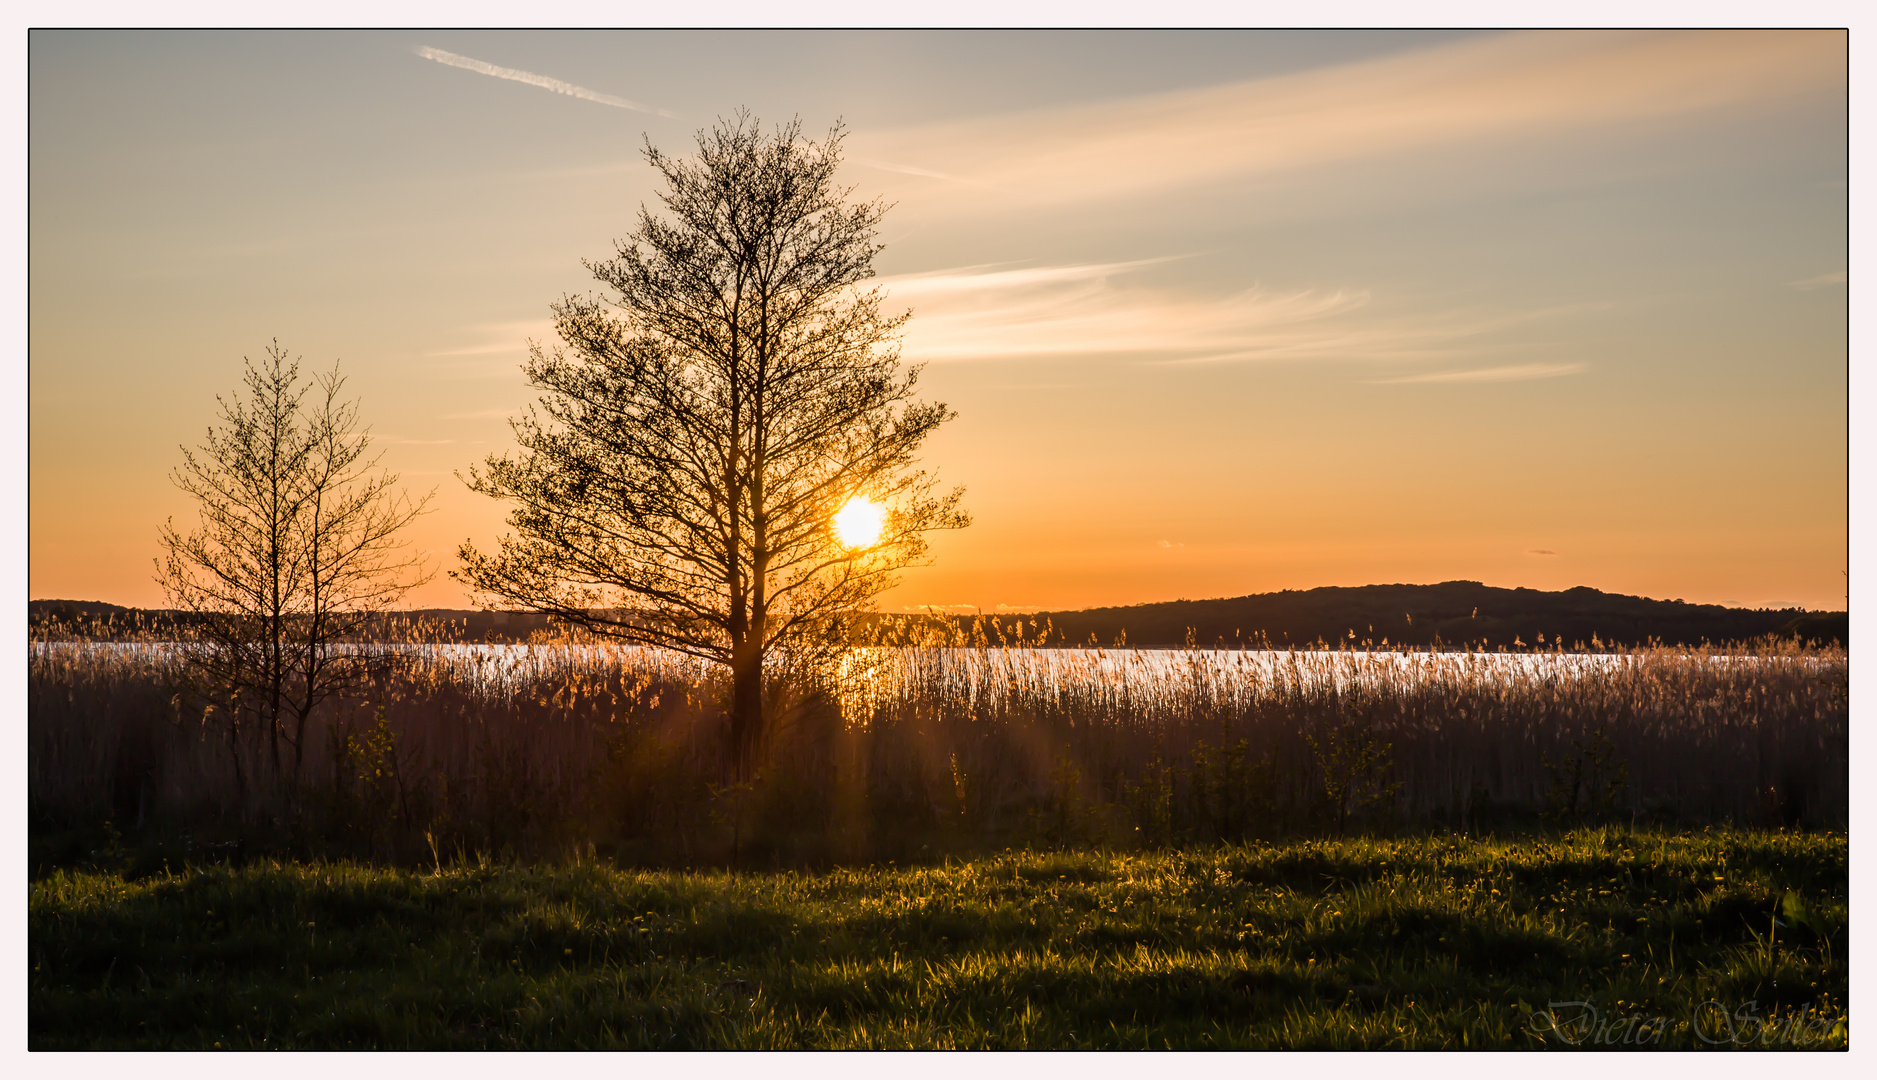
(1452, 613)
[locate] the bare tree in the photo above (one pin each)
(695, 439)
(297, 545)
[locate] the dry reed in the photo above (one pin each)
(922, 741)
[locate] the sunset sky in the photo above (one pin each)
(1220, 312)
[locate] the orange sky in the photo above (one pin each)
(1221, 313)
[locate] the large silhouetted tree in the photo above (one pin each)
(296, 546)
(702, 425)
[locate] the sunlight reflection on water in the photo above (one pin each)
(869, 677)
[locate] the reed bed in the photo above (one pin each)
(1742, 733)
(908, 747)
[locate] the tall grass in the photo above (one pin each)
(921, 744)
(1735, 733)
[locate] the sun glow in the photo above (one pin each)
(859, 522)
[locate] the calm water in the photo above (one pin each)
(1019, 666)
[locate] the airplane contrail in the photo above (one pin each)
(542, 81)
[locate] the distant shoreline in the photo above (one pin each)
(1453, 615)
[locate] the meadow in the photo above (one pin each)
(1600, 938)
(952, 842)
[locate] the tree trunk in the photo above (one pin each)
(746, 710)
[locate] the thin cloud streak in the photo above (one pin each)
(1507, 373)
(544, 82)
(481, 350)
(987, 313)
(501, 337)
(1837, 277)
(1504, 87)
(1434, 336)
(980, 313)
(481, 414)
(910, 170)
(983, 278)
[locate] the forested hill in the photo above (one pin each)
(91, 618)
(1453, 612)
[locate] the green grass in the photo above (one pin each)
(1431, 942)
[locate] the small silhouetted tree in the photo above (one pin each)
(702, 426)
(296, 547)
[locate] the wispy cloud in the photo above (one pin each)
(503, 337)
(1836, 277)
(1506, 373)
(1539, 551)
(497, 355)
(909, 170)
(1097, 309)
(485, 349)
(480, 414)
(982, 312)
(1433, 100)
(542, 81)
(985, 277)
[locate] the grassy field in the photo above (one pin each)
(1654, 939)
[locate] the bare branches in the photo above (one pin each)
(698, 429)
(297, 543)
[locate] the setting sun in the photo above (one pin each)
(859, 522)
